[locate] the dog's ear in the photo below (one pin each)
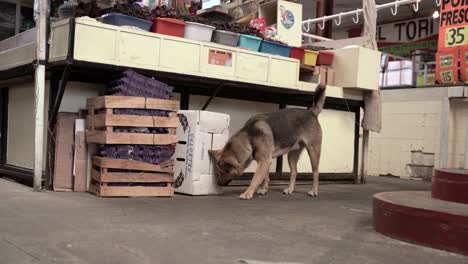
(215, 154)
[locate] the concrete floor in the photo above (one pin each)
(336, 227)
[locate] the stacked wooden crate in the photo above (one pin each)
(120, 177)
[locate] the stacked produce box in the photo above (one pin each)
(134, 125)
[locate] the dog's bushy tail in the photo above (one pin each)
(319, 99)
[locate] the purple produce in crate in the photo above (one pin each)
(141, 112)
(150, 154)
(130, 83)
(155, 90)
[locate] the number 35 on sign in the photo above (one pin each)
(456, 36)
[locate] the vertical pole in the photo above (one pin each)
(18, 17)
(444, 133)
(357, 127)
(39, 92)
(184, 101)
(365, 151)
(465, 166)
(324, 8)
(279, 160)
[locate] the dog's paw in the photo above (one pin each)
(262, 191)
(246, 196)
(313, 193)
(288, 191)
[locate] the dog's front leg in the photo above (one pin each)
(260, 174)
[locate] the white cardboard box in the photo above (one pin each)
(356, 67)
(198, 132)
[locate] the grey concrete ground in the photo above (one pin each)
(336, 227)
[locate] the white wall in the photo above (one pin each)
(74, 98)
(20, 137)
(337, 144)
(411, 122)
(20, 134)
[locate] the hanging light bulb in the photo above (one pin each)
(435, 15)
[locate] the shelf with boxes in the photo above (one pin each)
(136, 138)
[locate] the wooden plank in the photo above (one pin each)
(132, 165)
(94, 189)
(160, 104)
(135, 191)
(169, 122)
(63, 173)
(81, 163)
(133, 177)
(164, 139)
(62, 190)
(116, 102)
(174, 121)
(102, 120)
(104, 137)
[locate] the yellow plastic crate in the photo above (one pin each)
(310, 57)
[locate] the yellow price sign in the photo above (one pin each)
(456, 36)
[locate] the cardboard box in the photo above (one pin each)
(287, 16)
(356, 67)
(198, 132)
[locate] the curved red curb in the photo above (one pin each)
(417, 218)
(450, 185)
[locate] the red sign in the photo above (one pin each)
(447, 66)
(453, 35)
(464, 63)
(453, 27)
(220, 58)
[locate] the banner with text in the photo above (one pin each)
(453, 29)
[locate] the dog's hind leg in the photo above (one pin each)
(293, 157)
(314, 155)
(264, 188)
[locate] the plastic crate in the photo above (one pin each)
(249, 42)
(169, 26)
(124, 20)
(275, 48)
(297, 53)
(325, 57)
(226, 38)
(310, 58)
(199, 32)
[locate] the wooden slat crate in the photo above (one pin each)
(101, 125)
(117, 178)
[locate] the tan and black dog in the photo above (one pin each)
(267, 136)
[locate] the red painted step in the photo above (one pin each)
(417, 218)
(450, 185)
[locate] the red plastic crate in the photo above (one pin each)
(325, 57)
(169, 26)
(297, 53)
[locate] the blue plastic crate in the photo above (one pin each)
(275, 48)
(124, 20)
(249, 42)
